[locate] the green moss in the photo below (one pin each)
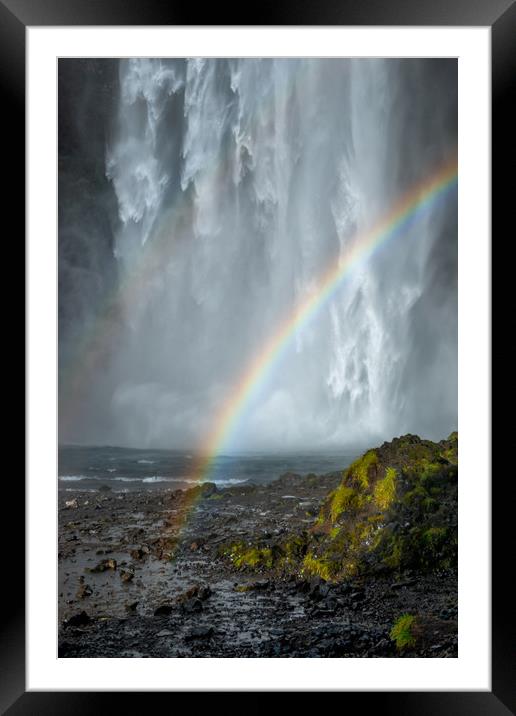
(340, 555)
(385, 490)
(393, 552)
(343, 499)
(242, 588)
(393, 510)
(450, 454)
(428, 469)
(417, 453)
(287, 555)
(429, 504)
(359, 536)
(243, 556)
(291, 552)
(359, 470)
(434, 544)
(314, 566)
(346, 499)
(413, 497)
(435, 491)
(402, 632)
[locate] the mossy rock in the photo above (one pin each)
(404, 632)
(244, 555)
(395, 508)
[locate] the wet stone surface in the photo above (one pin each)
(140, 575)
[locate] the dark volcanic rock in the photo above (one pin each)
(192, 606)
(207, 489)
(84, 591)
(201, 591)
(201, 632)
(163, 610)
(403, 583)
(78, 620)
(104, 565)
(140, 552)
(251, 575)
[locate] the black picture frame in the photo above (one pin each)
(500, 15)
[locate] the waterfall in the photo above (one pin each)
(238, 182)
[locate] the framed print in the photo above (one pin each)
(258, 320)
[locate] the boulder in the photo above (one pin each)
(84, 591)
(163, 610)
(200, 632)
(78, 620)
(104, 565)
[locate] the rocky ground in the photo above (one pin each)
(138, 580)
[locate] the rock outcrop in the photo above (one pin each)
(394, 510)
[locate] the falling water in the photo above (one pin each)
(238, 182)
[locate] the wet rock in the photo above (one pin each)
(447, 614)
(344, 589)
(329, 604)
(318, 589)
(126, 575)
(435, 647)
(207, 489)
(288, 479)
(104, 565)
(64, 649)
(282, 617)
(140, 552)
(204, 592)
(200, 632)
(199, 591)
(84, 591)
(404, 583)
(383, 647)
(192, 606)
(104, 488)
(132, 653)
(163, 610)
(164, 547)
(78, 620)
(258, 585)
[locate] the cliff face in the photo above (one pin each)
(87, 216)
(394, 510)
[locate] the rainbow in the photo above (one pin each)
(407, 209)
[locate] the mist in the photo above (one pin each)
(199, 203)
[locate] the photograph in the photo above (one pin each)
(259, 305)
(257, 357)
